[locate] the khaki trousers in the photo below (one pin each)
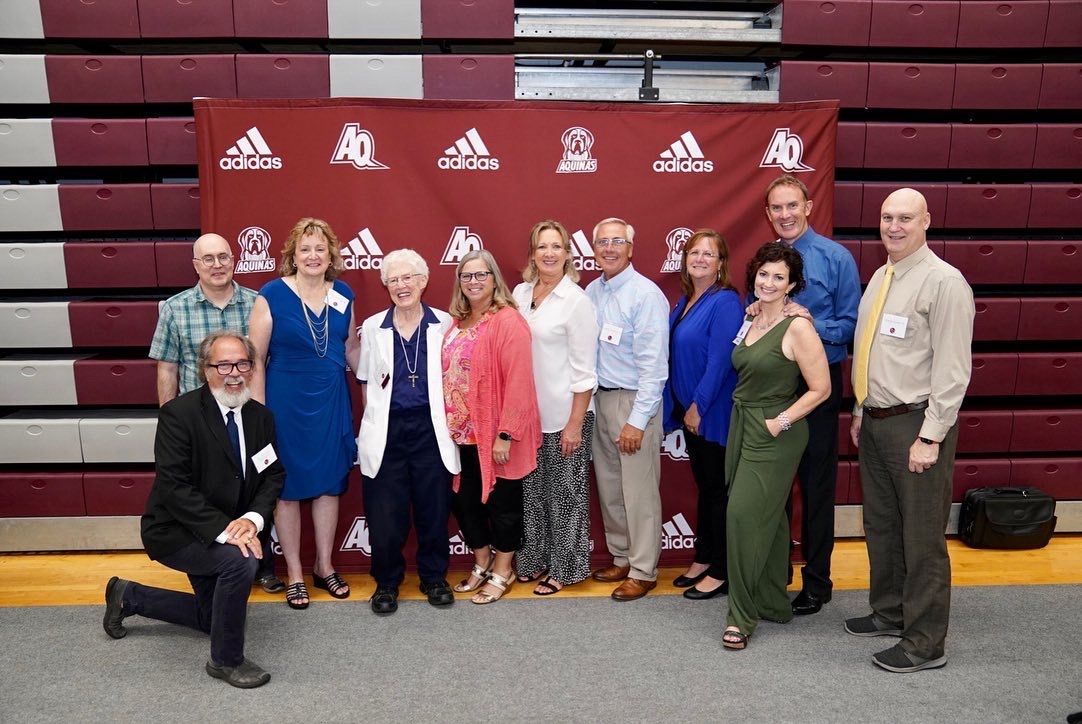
(628, 486)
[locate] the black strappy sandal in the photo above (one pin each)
(294, 593)
(332, 584)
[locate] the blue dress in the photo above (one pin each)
(308, 395)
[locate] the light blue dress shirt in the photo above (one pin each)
(640, 361)
(832, 293)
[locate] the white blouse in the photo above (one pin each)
(565, 332)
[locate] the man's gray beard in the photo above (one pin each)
(232, 399)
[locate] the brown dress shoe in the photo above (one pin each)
(633, 588)
(612, 574)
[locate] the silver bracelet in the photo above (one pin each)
(783, 419)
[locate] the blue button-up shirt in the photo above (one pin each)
(640, 361)
(832, 293)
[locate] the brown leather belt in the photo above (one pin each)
(880, 413)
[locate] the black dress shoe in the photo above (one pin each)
(807, 603)
(439, 593)
(385, 600)
(246, 675)
(683, 581)
(114, 608)
(696, 595)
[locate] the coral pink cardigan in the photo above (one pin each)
(502, 398)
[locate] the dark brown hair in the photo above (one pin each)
(773, 251)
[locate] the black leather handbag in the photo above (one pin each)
(1013, 518)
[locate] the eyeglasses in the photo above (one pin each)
(479, 276)
(708, 255)
(617, 242)
(403, 278)
(223, 259)
(226, 368)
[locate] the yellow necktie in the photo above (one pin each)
(864, 349)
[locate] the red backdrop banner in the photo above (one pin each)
(445, 177)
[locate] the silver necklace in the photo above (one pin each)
(416, 352)
(764, 325)
(320, 330)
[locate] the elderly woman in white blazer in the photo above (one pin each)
(406, 454)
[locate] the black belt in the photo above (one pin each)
(880, 413)
(601, 388)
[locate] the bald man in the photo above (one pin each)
(216, 302)
(911, 366)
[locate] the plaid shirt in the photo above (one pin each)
(186, 318)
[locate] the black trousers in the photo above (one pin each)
(221, 579)
(266, 564)
(818, 474)
(708, 468)
(411, 477)
(496, 522)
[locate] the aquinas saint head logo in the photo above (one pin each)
(254, 243)
(577, 143)
(675, 241)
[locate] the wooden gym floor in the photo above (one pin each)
(78, 579)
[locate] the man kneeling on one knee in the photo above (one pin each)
(217, 477)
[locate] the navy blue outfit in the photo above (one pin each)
(412, 476)
(701, 372)
(832, 296)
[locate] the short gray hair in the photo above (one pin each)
(615, 220)
(208, 342)
(403, 256)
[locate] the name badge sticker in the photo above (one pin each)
(610, 333)
(264, 458)
(894, 325)
(742, 332)
(337, 302)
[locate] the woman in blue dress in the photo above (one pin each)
(699, 396)
(303, 329)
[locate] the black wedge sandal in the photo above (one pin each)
(294, 593)
(332, 584)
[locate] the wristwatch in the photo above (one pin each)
(926, 441)
(505, 436)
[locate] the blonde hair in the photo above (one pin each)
(309, 226)
(501, 295)
(529, 274)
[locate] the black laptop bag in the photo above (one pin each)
(1007, 518)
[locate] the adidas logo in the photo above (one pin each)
(582, 252)
(456, 546)
(362, 251)
(676, 534)
(675, 445)
(462, 242)
(357, 148)
(468, 154)
(276, 547)
(675, 241)
(785, 151)
(357, 538)
(683, 156)
(250, 153)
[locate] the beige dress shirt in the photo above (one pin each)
(923, 348)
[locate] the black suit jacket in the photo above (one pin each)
(198, 488)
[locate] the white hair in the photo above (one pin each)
(407, 257)
(616, 220)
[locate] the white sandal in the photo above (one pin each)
(498, 582)
(482, 574)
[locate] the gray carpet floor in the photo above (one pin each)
(1013, 658)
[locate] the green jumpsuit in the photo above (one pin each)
(759, 471)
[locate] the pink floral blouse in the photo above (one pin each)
(456, 380)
